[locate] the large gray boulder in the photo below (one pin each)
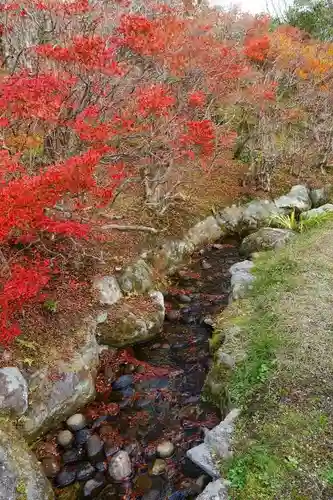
(266, 238)
(216, 490)
(205, 231)
(240, 219)
(21, 475)
(257, 213)
(241, 279)
(174, 253)
(230, 218)
(321, 196)
(216, 446)
(13, 391)
(297, 199)
(107, 290)
(133, 321)
(137, 278)
(56, 396)
(315, 212)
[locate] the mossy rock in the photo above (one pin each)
(133, 320)
(22, 477)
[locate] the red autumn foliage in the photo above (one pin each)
(107, 96)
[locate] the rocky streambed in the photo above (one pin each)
(132, 441)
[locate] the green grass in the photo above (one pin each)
(283, 379)
(302, 224)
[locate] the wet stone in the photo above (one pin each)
(159, 467)
(123, 382)
(65, 477)
(110, 448)
(93, 486)
(76, 422)
(73, 455)
(132, 448)
(165, 449)
(185, 299)
(65, 438)
(82, 436)
(120, 467)
(101, 466)
(51, 466)
(99, 421)
(94, 447)
(85, 471)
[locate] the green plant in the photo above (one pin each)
(284, 221)
(50, 306)
(301, 224)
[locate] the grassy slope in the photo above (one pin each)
(284, 440)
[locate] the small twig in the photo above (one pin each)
(131, 228)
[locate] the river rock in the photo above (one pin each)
(159, 467)
(132, 322)
(13, 391)
(51, 466)
(315, 212)
(257, 213)
(73, 455)
(20, 472)
(216, 446)
(82, 436)
(123, 382)
(240, 219)
(110, 448)
(76, 422)
(171, 255)
(205, 231)
(225, 359)
(65, 477)
(93, 486)
(202, 457)
(137, 277)
(165, 449)
(52, 400)
(65, 438)
(94, 447)
(107, 289)
(216, 490)
(84, 471)
(321, 196)
(297, 199)
(120, 467)
(241, 278)
(266, 238)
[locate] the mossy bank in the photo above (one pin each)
(281, 339)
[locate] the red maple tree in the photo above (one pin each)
(93, 93)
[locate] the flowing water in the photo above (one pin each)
(150, 394)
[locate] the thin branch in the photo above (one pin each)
(118, 227)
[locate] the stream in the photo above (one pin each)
(131, 442)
